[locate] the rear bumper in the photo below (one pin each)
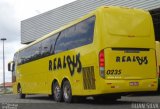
(118, 86)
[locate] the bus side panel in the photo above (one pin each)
(33, 79)
(78, 74)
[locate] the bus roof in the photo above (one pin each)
(72, 23)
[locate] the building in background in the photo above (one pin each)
(42, 24)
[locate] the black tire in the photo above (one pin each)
(67, 92)
(57, 93)
(20, 94)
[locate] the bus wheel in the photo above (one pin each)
(21, 95)
(57, 93)
(67, 92)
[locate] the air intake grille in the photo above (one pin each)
(88, 78)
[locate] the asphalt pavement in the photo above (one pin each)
(136, 101)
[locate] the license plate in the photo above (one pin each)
(134, 83)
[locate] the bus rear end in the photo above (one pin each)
(127, 61)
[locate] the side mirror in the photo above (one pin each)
(11, 66)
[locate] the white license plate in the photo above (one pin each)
(134, 83)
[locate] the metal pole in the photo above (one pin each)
(3, 68)
(3, 39)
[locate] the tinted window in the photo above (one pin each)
(38, 50)
(85, 31)
(52, 41)
(48, 45)
(60, 44)
(35, 51)
(29, 54)
(76, 36)
(20, 59)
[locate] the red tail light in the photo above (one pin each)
(101, 59)
(102, 63)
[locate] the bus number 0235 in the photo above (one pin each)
(114, 72)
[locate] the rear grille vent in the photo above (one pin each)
(88, 78)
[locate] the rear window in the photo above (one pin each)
(127, 22)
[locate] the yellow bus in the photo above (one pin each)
(158, 61)
(109, 51)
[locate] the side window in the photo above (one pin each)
(76, 36)
(33, 52)
(48, 45)
(28, 54)
(36, 51)
(20, 58)
(53, 39)
(60, 44)
(85, 31)
(23, 55)
(70, 38)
